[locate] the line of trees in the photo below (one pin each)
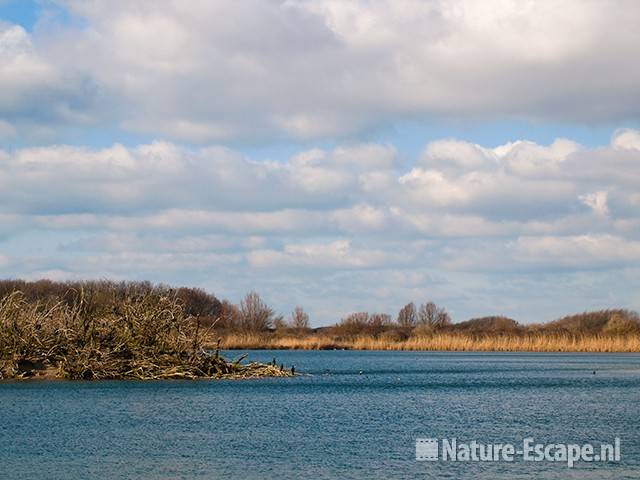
(428, 314)
(428, 317)
(252, 314)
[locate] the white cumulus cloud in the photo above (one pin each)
(307, 69)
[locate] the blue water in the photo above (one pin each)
(333, 423)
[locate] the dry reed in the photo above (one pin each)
(141, 337)
(532, 342)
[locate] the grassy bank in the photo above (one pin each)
(440, 341)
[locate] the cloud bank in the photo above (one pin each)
(316, 69)
(527, 229)
(543, 226)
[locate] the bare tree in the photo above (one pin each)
(378, 322)
(299, 319)
(255, 315)
(229, 316)
(407, 316)
(442, 318)
(428, 314)
(433, 316)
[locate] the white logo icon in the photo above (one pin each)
(426, 449)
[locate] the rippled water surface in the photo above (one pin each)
(355, 415)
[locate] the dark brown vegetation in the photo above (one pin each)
(612, 322)
(104, 330)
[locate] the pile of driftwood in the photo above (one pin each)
(139, 337)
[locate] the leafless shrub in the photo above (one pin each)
(299, 319)
(352, 324)
(431, 315)
(407, 316)
(594, 322)
(491, 325)
(229, 317)
(255, 315)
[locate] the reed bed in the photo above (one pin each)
(534, 342)
(141, 337)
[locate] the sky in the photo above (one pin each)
(339, 155)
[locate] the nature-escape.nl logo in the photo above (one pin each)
(450, 449)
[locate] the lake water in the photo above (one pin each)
(356, 415)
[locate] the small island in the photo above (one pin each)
(97, 331)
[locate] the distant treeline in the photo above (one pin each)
(253, 315)
(195, 301)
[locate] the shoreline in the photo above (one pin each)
(252, 370)
(437, 342)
